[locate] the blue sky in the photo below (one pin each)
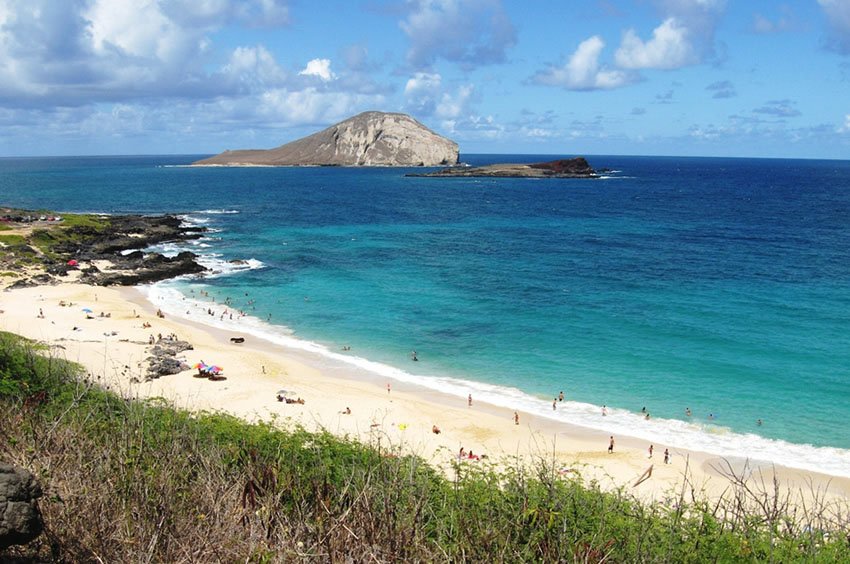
(636, 77)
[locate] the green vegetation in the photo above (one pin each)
(49, 243)
(12, 240)
(129, 481)
(47, 240)
(88, 221)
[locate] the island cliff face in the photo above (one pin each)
(367, 139)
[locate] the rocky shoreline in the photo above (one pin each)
(94, 246)
(562, 168)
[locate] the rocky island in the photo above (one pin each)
(367, 139)
(577, 167)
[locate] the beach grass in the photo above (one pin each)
(132, 480)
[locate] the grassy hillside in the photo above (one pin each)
(129, 481)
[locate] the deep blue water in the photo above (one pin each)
(722, 285)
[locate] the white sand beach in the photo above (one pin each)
(113, 349)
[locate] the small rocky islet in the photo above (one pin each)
(576, 167)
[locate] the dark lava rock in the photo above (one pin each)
(163, 361)
(20, 519)
(573, 167)
(152, 268)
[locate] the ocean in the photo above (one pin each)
(716, 285)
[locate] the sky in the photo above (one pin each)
(752, 78)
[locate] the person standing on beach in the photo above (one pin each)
(469, 400)
(611, 444)
(516, 418)
(650, 451)
(554, 404)
(666, 456)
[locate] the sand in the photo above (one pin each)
(113, 350)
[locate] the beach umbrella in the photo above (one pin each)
(199, 365)
(87, 310)
(285, 392)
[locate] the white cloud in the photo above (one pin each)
(469, 32)
(669, 48)
(846, 127)
(136, 28)
(78, 52)
(779, 109)
(255, 13)
(474, 127)
(312, 106)
(684, 37)
(421, 92)
(452, 106)
(787, 20)
(422, 82)
(252, 67)
(583, 71)
(838, 14)
(320, 68)
(425, 97)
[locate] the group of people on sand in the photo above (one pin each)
(667, 456)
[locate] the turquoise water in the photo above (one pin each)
(715, 284)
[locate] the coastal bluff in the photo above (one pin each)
(367, 139)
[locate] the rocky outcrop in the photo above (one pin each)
(163, 360)
(140, 268)
(20, 519)
(116, 241)
(367, 139)
(577, 167)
